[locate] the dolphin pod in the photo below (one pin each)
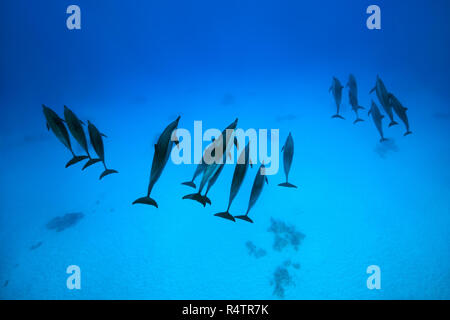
(238, 177)
(288, 154)
(387, 100)
(257, 187)
(223, 143)
(162, 151)
(56, 124)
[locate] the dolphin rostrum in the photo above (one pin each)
(162, 152)
(400, 110)
(377, 117)
(238, 177)
(288, 154)
(383, 97)
(75, 126)
(56, 124)
(336, 89)
(97, 143)
(353, 96)
(223, 143)
(258, 185)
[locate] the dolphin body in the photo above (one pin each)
(400, 110)
(288, 154)
(162, 152)
(97, 143)
(56, 124)
(377, 117)
(257, 188)
(353, 96)
(238, 177)
(336, 89)
(75, 126)
(211, 183)
(211, 169)
(383, 97)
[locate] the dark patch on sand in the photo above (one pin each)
(255, 251)
(5, 284)
(383, 149)
(62, 223)
(286, 117)
(228, 99)
(36, 245)
(441, 115)
(285, 235)
(282, 278)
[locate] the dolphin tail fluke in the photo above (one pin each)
(75, 159)
(287, 184)
(245, 218)
(197, 197)
(190, 184)
(338, 116)
(393, 123)
(205, 200)
(225, 215)
(146, 200)
(384, 139)
(358, 120)
(106, 172)
(407, 133)
(90, 163)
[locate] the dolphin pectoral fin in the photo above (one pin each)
(287, 184)
(282, 149)
(245, 218)
(90, 163)
(373, 89)
(370, 111)
(75, 159)
(384, 139)
(407, 133)
(146, 200)
(393, 123)
(358, 120)
(107, 172)
(360, 107)
(267, 180)
(225, 215)
(338, 116)
(48, 126)
(190, 184)
(82, 123)
(103, 135)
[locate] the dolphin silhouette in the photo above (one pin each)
(336, 90)
(162, 152)
(288, 154)
(383, 97)
(353, 96)
(97, 143)
(238, 177)
(400, 110)
(56, 124)
(377, 117)
(75, 126)
(257, 187)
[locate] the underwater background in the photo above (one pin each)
(136, 65)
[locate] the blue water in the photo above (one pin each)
(136, 65)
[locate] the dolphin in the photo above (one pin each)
(238, 177)
(222, 143)
(383, 97)
(288, 154)
(211, 183)
(162, 152)
(97, 143)
(400, 110)
(336, 89)
(258, 185)
(377, 117)
(353, 96)
(75, 126)
(56, 124)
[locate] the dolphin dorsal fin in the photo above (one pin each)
(267, 180)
